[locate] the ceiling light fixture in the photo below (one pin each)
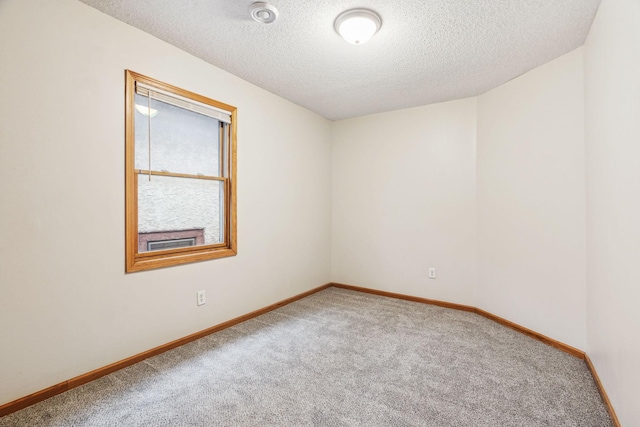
(357, 26)
(263, 12)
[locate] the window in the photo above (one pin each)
(180, 176)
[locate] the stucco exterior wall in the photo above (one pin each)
(181, 142)
(167, 203)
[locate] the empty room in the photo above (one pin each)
(411, 213)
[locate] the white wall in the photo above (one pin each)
(612, 114)
(66, 306)
(403, 199)
(531, 200)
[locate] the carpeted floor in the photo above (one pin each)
(341, 358)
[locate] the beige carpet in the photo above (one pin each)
(341, 358)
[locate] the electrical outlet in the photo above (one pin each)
(201, 298)
(432, 273)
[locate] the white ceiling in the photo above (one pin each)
(426, 51)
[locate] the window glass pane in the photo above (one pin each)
(182, 141)
(179, 212)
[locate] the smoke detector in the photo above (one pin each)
(263, 12)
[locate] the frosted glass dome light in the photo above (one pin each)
(357, 26)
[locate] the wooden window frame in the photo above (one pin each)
(138, 261)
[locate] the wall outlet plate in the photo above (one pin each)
(432, 273)
(201, 298)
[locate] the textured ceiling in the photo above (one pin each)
(426, 51)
